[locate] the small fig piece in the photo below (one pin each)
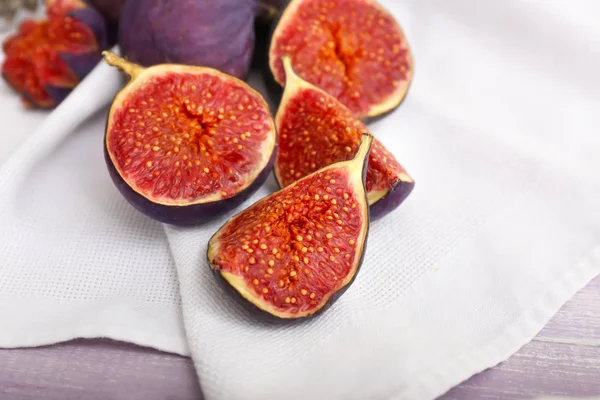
(217, 34)
(353, 49)
(46, 59)
(294, 252)
(316, 130)
(185, 144)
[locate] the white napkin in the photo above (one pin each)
(500, 133)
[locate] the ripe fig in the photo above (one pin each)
(110, 9)
(353, 49)
(316, 130)
(295, 252)
(217, 34)
(47, 58)
(184, 144)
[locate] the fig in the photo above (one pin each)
(293, 253)
(217, 34)
(47, 58)
(110, 9)
(316, 130)
(184, 144)
(353, 49)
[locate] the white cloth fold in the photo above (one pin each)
(499, 131)
(76, 261)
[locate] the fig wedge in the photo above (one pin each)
(316, 130)
(293, 253)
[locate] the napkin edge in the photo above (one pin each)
(454, 369)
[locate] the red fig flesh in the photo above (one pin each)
(294, 252)
(316, 130)
(184, 143)
(46, 59)
(353, 49)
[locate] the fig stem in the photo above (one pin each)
(131, 69)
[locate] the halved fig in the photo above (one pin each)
(353, 49)
(47, 58)
(185, 144)
(294, 252)
(316, 130)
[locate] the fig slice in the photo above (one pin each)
(184, 144)
(295, 252)
(353, 49)
(316, 130)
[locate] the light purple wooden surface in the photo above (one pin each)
(563, 360)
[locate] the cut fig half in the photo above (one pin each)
(185, 144)
(316, 130)
(353, 49)
(295, 252)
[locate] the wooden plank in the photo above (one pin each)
(539, 368)
(564, 359)
(96, 370)
(578, 321)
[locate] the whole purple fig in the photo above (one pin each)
(217, 34)
(111, 9)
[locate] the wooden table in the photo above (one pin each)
(564, 359)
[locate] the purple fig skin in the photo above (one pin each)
(81, 64)
(58, 93)
(184, 215)
(396, 196)
(94, 20)
(217, 34)
(110, 9)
